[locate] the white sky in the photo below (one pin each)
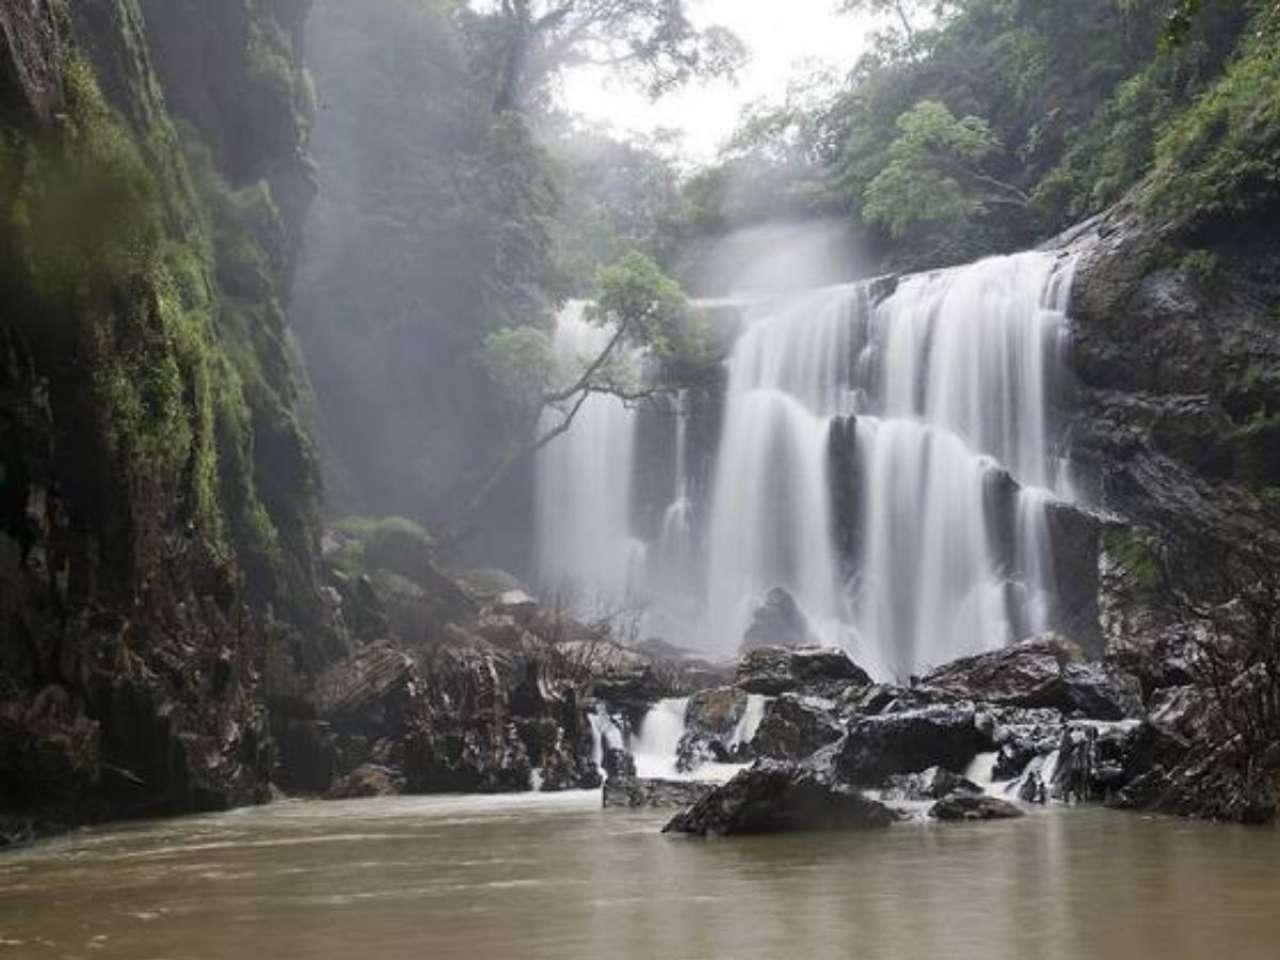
(781, 37)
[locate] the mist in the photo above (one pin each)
(458, 456)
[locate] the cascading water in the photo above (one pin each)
(771, 517)
(944, 538)
(585, 549)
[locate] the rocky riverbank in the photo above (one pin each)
(1036, 722)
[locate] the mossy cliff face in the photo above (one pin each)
(1177, 308)
(157, 492)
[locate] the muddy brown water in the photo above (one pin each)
(556, 877)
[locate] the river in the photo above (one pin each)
(543, 876)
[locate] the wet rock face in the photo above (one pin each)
(1046, 671)
(794, 727)
(775, 670)
(632, 792)
(969, 807)
(910, 741)
(778, 622)
(1209, 783)
(773, 797)
(932, 784)
(369, 780)
(1159, 351)
(711, 719)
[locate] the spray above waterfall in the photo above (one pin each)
(886, 456)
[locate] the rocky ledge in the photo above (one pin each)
(774, 796)
(975, 739)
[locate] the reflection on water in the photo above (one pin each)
(543, 877)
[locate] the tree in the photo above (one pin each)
(901, 9)
(905, 12)
(934, 171)
(523, 43)
(642, 306)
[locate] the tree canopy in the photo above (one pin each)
(523, 43)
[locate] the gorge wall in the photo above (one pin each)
(178, 633)
(158, 526)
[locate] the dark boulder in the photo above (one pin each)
(773, 796)
(1208, 783)
(910, 741)
(632, 791)
(711, 719)
(963, 806)
(1020, 735)
(369, 780)
(932, 784)
(375, 693)
(1044, 671)
(632, 690)
(778, 622)
(618, 763)
(794, 727)
(775, 670)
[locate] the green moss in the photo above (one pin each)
(394, 544)
(1257, 446)
(1135, 554)
(1205, 267)
(124, 245)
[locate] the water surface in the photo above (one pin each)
(556, 877)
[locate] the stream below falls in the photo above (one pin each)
(543, 876)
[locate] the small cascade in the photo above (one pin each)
(605, 735)
(745, 730)
(654, 744)
(981, 771)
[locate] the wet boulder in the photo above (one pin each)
(375, 693)
(795, 726)
(631, 690)
(775, 670)
(1020, 735)
(1209, 783)
(910, 741)
(778, 622)
(1043, 671)
(965, 806)
(712, 719)
(618, 763)
(776, 796)
(368, 780)
(932, 784)
(633, 792)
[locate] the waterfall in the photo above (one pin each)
(605, 735)
(771, 519)
(964, 358)
(928, 591)
(654, 745)
(585, 548)
(889, 462)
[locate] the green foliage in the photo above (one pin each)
(1078, 101)
(521, 361)
(634, 291)
(1205, 266)
(1221, 156)
(394, 544)
(519, 48)
(930, 169)
(1136, 556)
